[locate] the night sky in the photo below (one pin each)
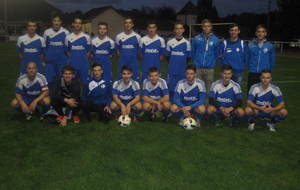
(224, 7)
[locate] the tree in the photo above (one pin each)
(206, 9)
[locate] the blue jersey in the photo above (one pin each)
(55, 44)
(262, 97)
(126, 93)
(31, 49)
(151, 49)
(102, 50)
(178, 51)
(233, 53)
(97, 92)
(128, 45)
(205, 51)
(260, 56)
(78, 47)
(190, 94)
(31, 89)
(157, 91)
(225, 96)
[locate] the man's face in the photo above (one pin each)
(77, 25)
(206, 28)
(31, 27)
(190, 75)
(68, 76)
(234, 32)
(154, 76)
(226, 75)
(126, 75)
(128, 24)
(56, 23)
(178, 29)
(31, 69)
(266, 78)
(152, 29)
(261, 33)
(102, 29)
(97, 72)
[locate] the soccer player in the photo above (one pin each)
(205, 51)
(55, 52)
(126, 94)
(31, 93)
(97, 95)
(31, 47)
(152, 48)
(79, 45)
(233, 53)
(155, 95)
(261, 102)
(178, 52)
(260, 55)
(66, 96)
(127, 45)
(103, 48)
(189, 96)
(225, 98)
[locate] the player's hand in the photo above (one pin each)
(158, 105)
(186, 108)
(32, 106)
(63, 121)
(25, 108)
(268, 108)
(187, 114)
(72, 102)
(128, 109)
(107, 109)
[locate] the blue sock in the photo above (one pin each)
(277, 118)
(165, 113)
(136, 112)
(178, 114)
(198, 115)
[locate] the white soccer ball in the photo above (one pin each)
(124, 120)
(189, 123)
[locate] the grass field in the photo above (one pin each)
(147, 155)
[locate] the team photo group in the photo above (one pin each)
(70, 74)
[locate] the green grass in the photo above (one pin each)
(147, 155)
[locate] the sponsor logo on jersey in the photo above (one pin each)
(224, 100)
(101, 52)
(263, 103)
(151, 51)
(56, 44)
(77, 48)
(30, 50)
(123, 97)
(179, 53)
(190, 98)
(127, 46)
(34, 93)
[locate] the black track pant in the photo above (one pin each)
(89, 107)
(59, 105)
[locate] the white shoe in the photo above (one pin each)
(271, 127)
(251, 126)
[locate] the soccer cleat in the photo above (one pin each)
(59, 118)
(28, 116)
(251, 126)
(218, 123)
(76, 119)
(271, 127)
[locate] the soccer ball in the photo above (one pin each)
(189, 123)
(124, 120)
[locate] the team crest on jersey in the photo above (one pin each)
(265, 50)
(102, 86)
(211, 43)
(237, 49)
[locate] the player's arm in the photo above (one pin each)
(165, 98)
(254, 106)
(34, 103)
(21, 101)
(150, 100)
(117, 100)
(200, 101)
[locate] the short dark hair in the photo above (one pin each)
(126, 68)
(204, 21)
(266, 71)
(77, 18)
(191, 67)
(151, 22)
(178, 23)
(234, 25)
(128, 18)
(153, 69)
(261, 26)
(68, 68)
(97, 65)
(56, 16)
(31, 20)
(226, 67)
(103, 24)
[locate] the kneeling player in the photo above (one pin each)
(97, 95)
(126, 94)
(189, 96)
(225, 98)
(155, 95)
(260, 102)
(66, 96)
(31, 92)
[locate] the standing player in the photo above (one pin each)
(155, 95)
(127, 44)
(79, 45)
(31, 93)
(152, 48)
(97, 95)
(102, 49)
(126, 94)
(205, 50)
(178, 51)
(189, 96)
(260, 55)
(233, 53)
(55, 52)
(31, 47)
(225, 98)
(260, 102)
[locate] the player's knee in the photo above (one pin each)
(248, 111)
(240, 112)
(211, 110)
(146, 106)
(113, 106)
(283, 112)
(174, 108)
(166, 105)
(46, 101)
(138, 106)
(14, 103)
(201, 109)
